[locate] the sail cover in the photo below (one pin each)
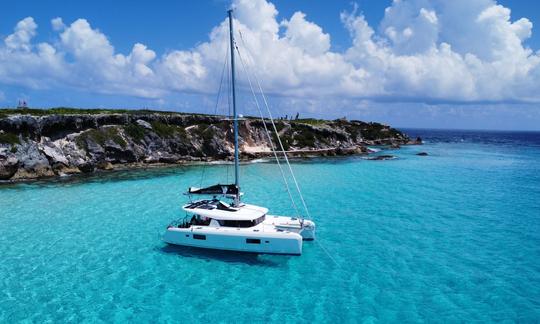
(219, 189)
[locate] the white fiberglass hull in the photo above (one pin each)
(235, 240)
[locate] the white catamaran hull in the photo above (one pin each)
(220, 239)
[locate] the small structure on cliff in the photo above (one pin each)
(22, 104)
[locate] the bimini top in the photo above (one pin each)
(219, 189)
(220, 210)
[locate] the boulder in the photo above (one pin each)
(116, 153)
(169, 158)
(382, 157)
(65, 170)
(87, 167)
(54, 154)
(144, 124)
(33, 163)
(417, 141)
(8, 167)
(345, 151)
(94, 148)
(105, 165)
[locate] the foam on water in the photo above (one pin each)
(453, 236)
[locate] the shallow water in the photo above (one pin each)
(453, 236)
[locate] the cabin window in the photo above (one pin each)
(241, 223)
(253, 241)
(259, 220)
(199, 237)
(235, 223)
(197, 220)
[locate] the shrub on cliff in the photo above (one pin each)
(136, 132)
(100, 136)
(9, 138)
(168, 131)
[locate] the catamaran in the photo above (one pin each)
(214, 223)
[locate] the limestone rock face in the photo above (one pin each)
(53, 153)
(9, 164)
(57, 144)
(144, 124)
(33, 163)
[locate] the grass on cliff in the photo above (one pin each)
(100, 136)
(9, 138)
(204, 131)
(60, 111)
(136, 132)
(305, 138)
(310, 121)
(168, 131)
(286, 141)
(4, 112)
(374, 131)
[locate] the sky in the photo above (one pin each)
(471, 64)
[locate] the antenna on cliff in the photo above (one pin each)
(22, 104)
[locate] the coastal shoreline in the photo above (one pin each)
(140, 166)
(40, 144)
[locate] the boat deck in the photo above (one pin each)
(272, 224)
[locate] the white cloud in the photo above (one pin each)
(57, 24)
(306, 35)
(424, 50)
(20, 39)
(257, 15)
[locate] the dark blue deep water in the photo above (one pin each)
(450, 237)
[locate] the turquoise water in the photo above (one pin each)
(454, 236)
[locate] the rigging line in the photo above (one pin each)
(221, 80)
(229, 93)
(328, 254)
(277, 135)
(268, 134)
(217, 104)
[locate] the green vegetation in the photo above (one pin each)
(286, 140)
(206, 132)
(4, 112)
(279, 126)
(59, 111)
(203, 131)
(136, 132)
(373, 131)
(100, 136)
(310, 121)
(168, 131)
(9, 138)
(305, 138)
(353, 130)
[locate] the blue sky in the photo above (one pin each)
(423, 83)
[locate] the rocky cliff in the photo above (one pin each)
(44, 143)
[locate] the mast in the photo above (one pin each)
(235, 117)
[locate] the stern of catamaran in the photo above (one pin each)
(308, 230)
